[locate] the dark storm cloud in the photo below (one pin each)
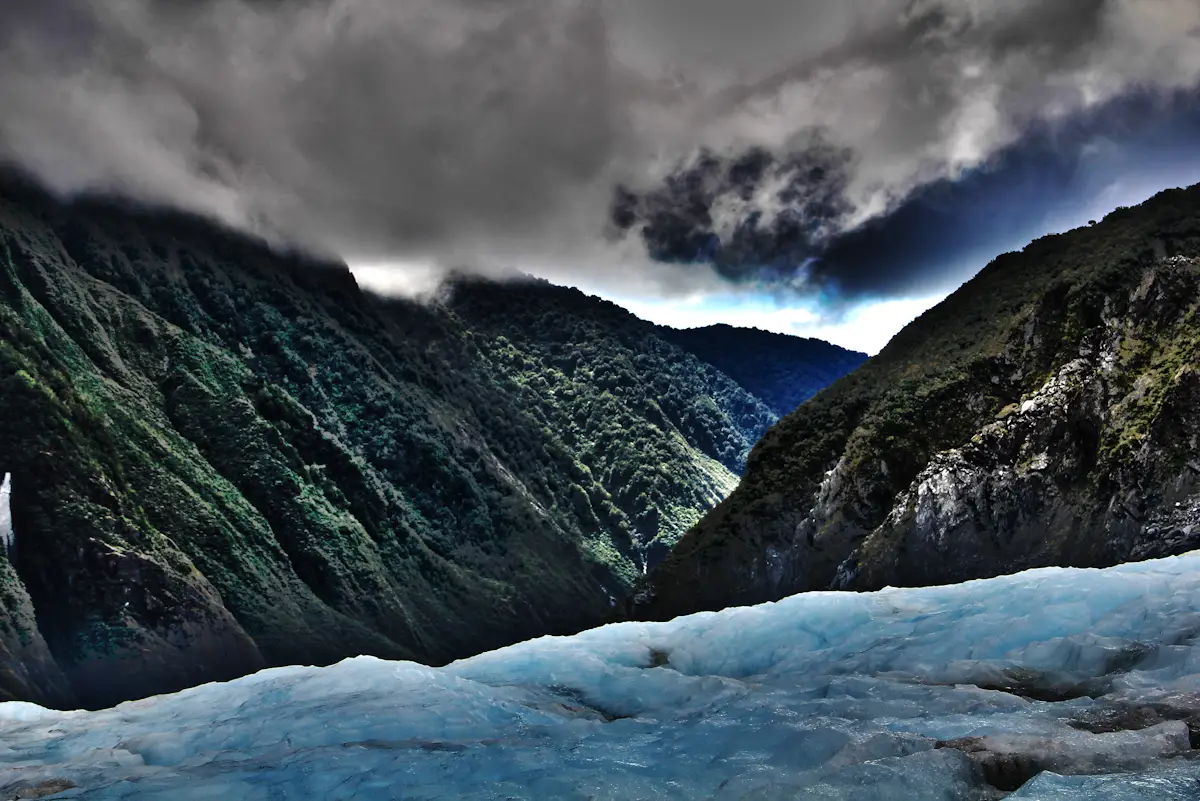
(754, 217)
(1054, 175)
(1004, 99)
(491, 133)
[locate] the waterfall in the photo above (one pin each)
(6, 529)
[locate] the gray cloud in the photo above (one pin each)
(348, 124)
(492, 133)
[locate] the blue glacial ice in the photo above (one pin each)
(1066, 684)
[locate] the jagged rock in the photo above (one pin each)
(1000, 502)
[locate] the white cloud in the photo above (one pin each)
(413, 280)
(866, 326)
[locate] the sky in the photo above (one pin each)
(908, 260)
(821, 168)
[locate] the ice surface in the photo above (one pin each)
(1066, 684)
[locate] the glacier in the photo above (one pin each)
(1050, 684)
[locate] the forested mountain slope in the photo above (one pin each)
(223, 457)
(1046, 413)
(784, 371)
(623, 400)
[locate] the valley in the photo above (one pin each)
(224, 457)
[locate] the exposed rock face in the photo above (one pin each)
(1048, 413)
(1004, 499)
(1078, 471)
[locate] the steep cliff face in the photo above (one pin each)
(223, 457)
(1044, 414)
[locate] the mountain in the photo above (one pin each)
(784, 371)
(1047, 413)
(223, 457)
(622, 400)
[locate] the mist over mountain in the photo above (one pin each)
(219, 457)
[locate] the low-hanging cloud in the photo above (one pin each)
(539, 134)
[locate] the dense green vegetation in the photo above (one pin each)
(783, 371)
(826, 477)
(627, 403)
(226, 457)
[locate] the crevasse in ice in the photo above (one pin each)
(1066, 684)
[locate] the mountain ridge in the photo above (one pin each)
(783, 370)
(906, 472)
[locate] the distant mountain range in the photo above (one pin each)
(1046, 413)
(783, 371)
(224, 457)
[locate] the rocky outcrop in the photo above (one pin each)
(1079, 471)
(1003, 501)
(1048, 413)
